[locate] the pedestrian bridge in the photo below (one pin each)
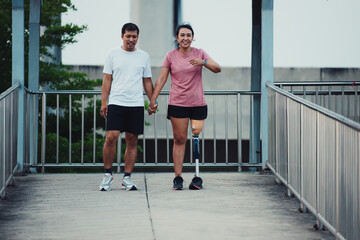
(313, 151)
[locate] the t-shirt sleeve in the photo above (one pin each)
(108, 65)
(147, 70)
(204, 54)
(167, 63)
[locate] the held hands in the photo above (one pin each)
(152, 107)
(196, 62)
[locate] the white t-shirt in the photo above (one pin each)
(128, 70)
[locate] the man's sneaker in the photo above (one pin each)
(128, 184)
(178, 183)
(106, 182)
(196, 183)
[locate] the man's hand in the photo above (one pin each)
(152, 108)
(104, 110)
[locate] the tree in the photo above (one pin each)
(54, 35)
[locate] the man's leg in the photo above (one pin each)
(109, 151)
(131, 140)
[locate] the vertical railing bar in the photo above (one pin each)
(57, 128)
(356, 111)
(167, 136)
(288, 145)
(304, 92)
(214, 126)
(144, 147)
(302, 156)
(82, 128)
(191, 143)
(317, 207)
(317, 95)
(337, 178)
(35, 115)
(156, 141)
(203, 145)
(94, 132)
(119, 142)
(329, 100)
(239, 131)
(251, 129)
(342, 100)
(4, 147)
(70, 126)
(226, 129)
(43, 133)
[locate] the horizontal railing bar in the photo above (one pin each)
(164, 92)
(306, 83)
(324, 92)
(316, 107)
(146, 165)
(9, 90)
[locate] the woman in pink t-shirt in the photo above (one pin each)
(186, 100)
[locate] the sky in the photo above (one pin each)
(307, 33)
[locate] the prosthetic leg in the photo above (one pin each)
(196, 183)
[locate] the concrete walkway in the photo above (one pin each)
(231, 206)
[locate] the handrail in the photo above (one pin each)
(316, 107)
(163, 92)
(318, 83)
(9, 90)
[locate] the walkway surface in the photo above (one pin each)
(231, 206)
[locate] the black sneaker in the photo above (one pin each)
(178, 183)
(196, 183)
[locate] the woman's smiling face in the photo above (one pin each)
(184, 38)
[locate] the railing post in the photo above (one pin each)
(267, 70)
(18, 72)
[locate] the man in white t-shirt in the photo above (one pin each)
(127, 72)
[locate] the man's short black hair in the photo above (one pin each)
(129, 27)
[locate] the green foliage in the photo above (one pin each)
(54, 35)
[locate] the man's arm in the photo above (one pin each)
(105, 91)
(148, 87)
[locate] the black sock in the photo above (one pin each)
(108, 170)
(127, 174)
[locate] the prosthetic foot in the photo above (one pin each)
(196, 183)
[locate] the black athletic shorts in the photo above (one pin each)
(196, 113)
(125, 119)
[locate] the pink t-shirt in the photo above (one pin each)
(186, 80)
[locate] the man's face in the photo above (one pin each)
(129, 40)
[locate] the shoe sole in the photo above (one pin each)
(195, 187)
(179, 188)
(129, 189)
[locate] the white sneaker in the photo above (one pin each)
(128, 184)
(106, 182)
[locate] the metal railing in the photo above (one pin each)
(342, 97)
(8, 136)
(221, 138)
(315, 153)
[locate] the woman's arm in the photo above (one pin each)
(160, 82)
(208, 63)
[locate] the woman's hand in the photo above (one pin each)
(152, 107)
(197, 62)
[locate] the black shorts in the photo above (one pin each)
(196, 113)
(125, 119)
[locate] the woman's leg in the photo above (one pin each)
(179, 126)
(197, 126)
